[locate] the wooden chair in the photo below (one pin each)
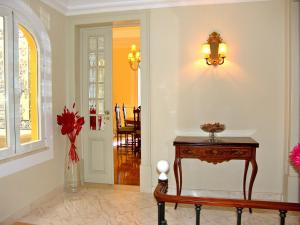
(137, 130)
(126, 131)
(124, 109)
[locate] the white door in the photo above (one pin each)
(96, 92)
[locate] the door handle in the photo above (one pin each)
(107, 115)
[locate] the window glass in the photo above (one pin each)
(3, 134)
(96, 81)
(28, 85)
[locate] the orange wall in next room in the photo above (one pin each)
(125, 80)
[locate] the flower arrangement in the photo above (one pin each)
(71, 123)
(295, 156)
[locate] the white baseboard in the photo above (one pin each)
(35, 204)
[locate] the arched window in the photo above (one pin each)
(28, 84)
(25, 81)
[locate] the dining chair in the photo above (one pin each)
(120, 131)
(124, 109)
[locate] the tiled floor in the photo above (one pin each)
(123, 205)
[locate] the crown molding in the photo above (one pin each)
(88, 7)
(57, 5)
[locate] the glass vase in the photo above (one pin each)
(72, 174)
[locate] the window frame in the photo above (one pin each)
(29, 146)
(14, 159)
(7, 14)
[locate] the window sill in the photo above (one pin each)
(21, 161)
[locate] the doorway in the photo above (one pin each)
(101, 66)
(125, 99)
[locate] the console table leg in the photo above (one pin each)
(180, 176)
(175, 168)
(245, 178)
(253, 175)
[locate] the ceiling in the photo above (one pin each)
(76, 7)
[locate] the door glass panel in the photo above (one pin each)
(100, 90)
(93, 43)
(96, 69)
(100, 74)
(101, 43)
(101, 62)
(92, 59)
(92, 90)
(28, 83)
(3, 128)
(92, 74)
(101, 59)
(100, 106)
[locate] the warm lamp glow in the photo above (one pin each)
(206, 50)
(222, 49)
(133, 48)
(214, 50)
(134, 58)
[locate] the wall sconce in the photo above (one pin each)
(214, 50)
(134, 58)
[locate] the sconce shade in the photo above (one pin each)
(214, 50)
(222, 49)
(206, 50)
(134, 58)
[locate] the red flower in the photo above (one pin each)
(71, 124)
(70, 121)
(295, 156)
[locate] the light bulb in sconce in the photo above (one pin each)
(133, 48)
(130, 56)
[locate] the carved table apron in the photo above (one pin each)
(216, 151)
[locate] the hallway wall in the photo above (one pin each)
(248, 93)
(19, 190)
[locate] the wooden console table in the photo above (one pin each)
(216, 151)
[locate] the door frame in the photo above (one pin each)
(73, 75)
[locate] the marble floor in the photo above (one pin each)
(125, 205)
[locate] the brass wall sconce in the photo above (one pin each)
(134, 58)
(214, 50)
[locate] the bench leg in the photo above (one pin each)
(198, 209)
(161, 213)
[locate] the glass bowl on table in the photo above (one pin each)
(212, 128)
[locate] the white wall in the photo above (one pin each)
(293, 174)
(19, 190)
(247, 93)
